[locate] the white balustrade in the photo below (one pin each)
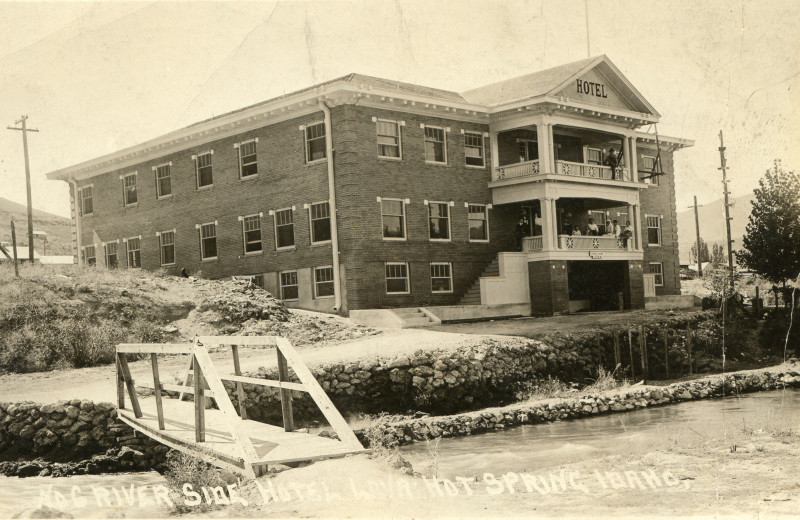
(590, 243)
(532, 243)
(512, 171)
(591, 171)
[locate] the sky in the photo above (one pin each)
(95, 77)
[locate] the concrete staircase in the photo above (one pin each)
(473, 295)
(413, 317)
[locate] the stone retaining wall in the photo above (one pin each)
(409, 431)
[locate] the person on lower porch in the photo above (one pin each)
(627, 233)
(609, 229)
(592, 228)
(520, 231)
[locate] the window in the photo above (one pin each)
(85, 201)
(89, 255)
(397, 278)
(111, 255)
(593, 156)
(248, 160)
(323, 282)
(435, 147)
(205, 175)
(208, 241)
(167, 246)
(388, 139)
(163, 180)
(289, 288)
(284, 228)
(653, 230)
(251, 234)
(528, 150)
(657, 268)
(393, 219)
(648, 169)
(320, 222)
(473, 149)
(441, 278)
(439, 220)
(134, 253)
(255, 279)
(129, 196)
(315, 142)
(478, 223)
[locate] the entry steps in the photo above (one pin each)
(473, 295)
(414, 317)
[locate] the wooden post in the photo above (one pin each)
(666, 351)
(617, 360)
(199, 402)
(239, 388)
(157, 391)
(16, 264)
(689, 340)
(643, 351)
(120, 386)
(630, 350)
(286, 395)
(126, 374)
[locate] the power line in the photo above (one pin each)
(724, 168)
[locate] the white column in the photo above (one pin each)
(551, 149)
(634, 163)
(542, 143)
(638, 226)
(494, 152)
(547, 226)
(626, 152)
(554, 225)
(632, 218)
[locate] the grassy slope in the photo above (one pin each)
(58, 229)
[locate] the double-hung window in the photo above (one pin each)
(473, 149)
(204, 169)
(251, 234)
(111, 255)
(435, 145)
(289, 286)
(85, 200)
(134, 252)
(315, 142)
(478, 223)
(528, 150)
(163, 180)
(284, 228)
(248, 159)
(388, 139)
(166, 242)
(657, 269)
(397, 278)
(89, 257)
(593, 155)
(129, 195)
(441, 277)
(323, 282)
(208, 241)
(439, 220)
(649, 169)
(320, 222)
(393, 219)
(653, 230)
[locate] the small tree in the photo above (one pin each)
(772, 240)
(718, 254)
(704, 255)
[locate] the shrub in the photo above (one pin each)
(184, 469)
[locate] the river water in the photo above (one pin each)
(524, 448)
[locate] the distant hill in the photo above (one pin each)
(712, 224)
(58, 229)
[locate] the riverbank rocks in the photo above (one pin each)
(413, 430)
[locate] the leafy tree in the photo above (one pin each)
(718, 255)
(772, 240)
(704, 255)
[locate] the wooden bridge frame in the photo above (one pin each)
(207, 383)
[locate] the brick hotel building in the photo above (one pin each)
(362, 194)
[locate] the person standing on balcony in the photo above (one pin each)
(617, 229)
(612, 160)
(592, 228)
(608, 229)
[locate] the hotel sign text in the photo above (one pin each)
(591, 88)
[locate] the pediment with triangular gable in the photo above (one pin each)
(601, 83)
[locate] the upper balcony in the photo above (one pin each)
(566, 168)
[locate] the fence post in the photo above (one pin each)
(617, 360)
(199, 402)
(666, 351)
(16, 264)
(630, 351)
(643, 350)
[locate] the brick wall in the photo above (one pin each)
(660, 200)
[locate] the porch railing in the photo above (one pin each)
(591, 171)
(532, 243)
(512, 171)
(589, 243)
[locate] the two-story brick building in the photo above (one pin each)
(363, 193)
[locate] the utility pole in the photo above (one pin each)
(25, 131)
(724, 168)
(697, 228)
